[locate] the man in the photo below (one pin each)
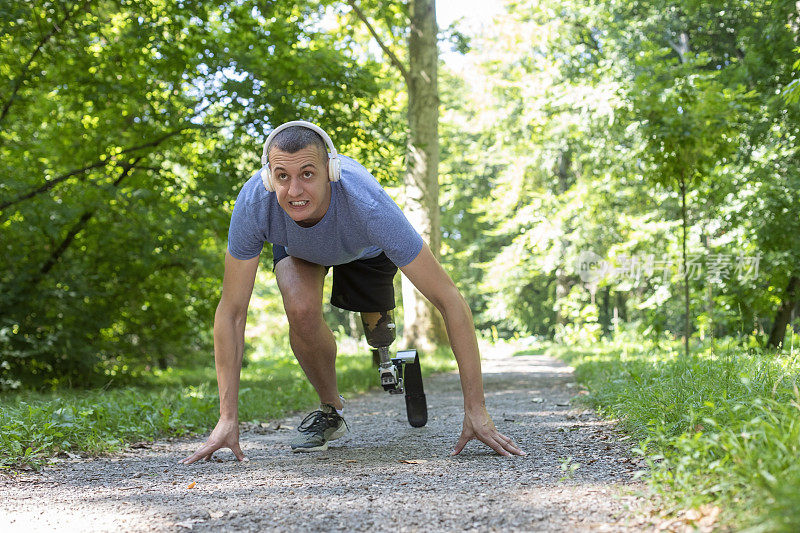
(319, 210)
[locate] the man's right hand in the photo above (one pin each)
(225, 435)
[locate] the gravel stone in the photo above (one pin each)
(382, 475)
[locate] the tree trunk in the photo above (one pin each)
(709, 292)
(605, 311)
(354, 327)
(687, 321)
(563, 285)
(423, 325)
(784, 314)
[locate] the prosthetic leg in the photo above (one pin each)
(401, 373)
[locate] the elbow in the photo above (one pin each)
(453, 303)
(228, 313)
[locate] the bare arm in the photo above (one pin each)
(432, 281)
(229, 325)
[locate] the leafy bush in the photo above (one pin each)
(720, 426)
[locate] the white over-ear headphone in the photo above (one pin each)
(334, 165)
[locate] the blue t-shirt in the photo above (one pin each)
(361, 222)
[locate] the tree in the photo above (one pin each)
(637, 111)
(126, 133)
(423, 326)
(686, 121)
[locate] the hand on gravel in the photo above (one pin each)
(225, 435)
(479, 425)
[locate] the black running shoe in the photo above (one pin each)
(319, 427)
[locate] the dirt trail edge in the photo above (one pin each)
(382, 475)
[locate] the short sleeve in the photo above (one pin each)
(390, 230)
(243, 243)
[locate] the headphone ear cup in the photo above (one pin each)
(334, 169)
(266, 178)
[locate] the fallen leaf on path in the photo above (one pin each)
(702, 520)
(705, 516)
(68, 455)
(693, 514)
(142, 444)
(350, 461)
(191, 485)
(412, 461)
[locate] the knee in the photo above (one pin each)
(303, 314)
(381, 333)
(300, 284)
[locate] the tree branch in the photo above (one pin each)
(58, 252)
(26, 69)
(681, 47)
(47, 185)
(392, 57)
(101, 163)
(76, 229)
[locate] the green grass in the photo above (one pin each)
(35, 426)
(719, 427)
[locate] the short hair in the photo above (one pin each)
(295, 138)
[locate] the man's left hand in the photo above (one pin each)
(478, 425)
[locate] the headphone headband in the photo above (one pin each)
(313, 127)
(334, 166)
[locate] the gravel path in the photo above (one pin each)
(383, 474)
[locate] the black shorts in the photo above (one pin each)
(365, 285)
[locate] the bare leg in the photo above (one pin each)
(300, 283)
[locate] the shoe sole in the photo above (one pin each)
(339, 433)
(315, 449)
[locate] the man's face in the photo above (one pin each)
(301, 183)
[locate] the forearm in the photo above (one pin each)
(461, 332)
(228, 352)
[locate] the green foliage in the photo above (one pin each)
(125, 133)
(722, 426)
(587, 135)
